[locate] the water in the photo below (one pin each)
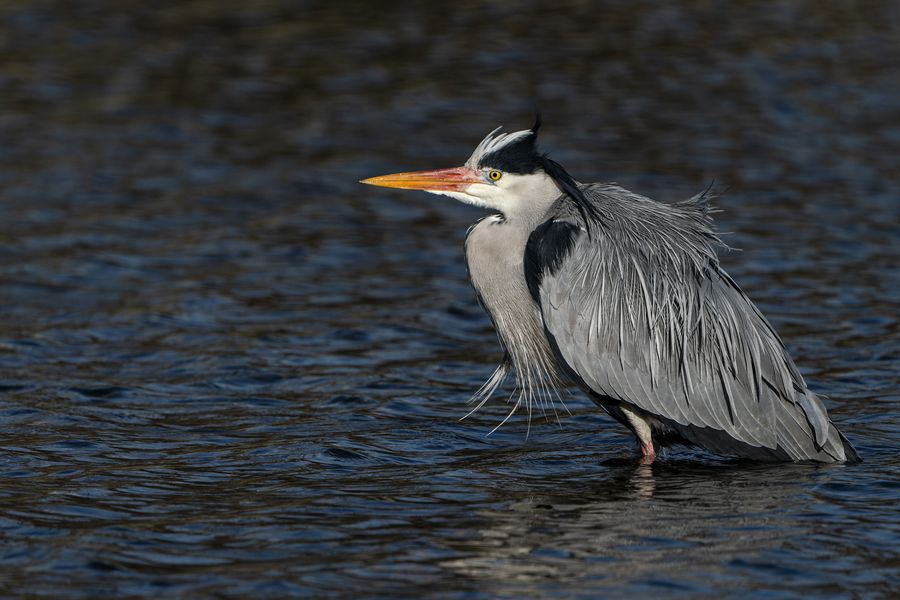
(229, 370)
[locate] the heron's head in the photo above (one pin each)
(506, 173)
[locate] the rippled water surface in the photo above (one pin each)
(226, 369)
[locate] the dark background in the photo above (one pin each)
(228, 369)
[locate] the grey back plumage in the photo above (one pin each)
(640, 312)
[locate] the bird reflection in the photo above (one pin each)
(620, 526)
(642, 481)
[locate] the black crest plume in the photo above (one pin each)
(518, 153)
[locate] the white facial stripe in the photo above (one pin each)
(493, 142)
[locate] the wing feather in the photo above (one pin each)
(640, 312)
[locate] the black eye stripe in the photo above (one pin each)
(520, 158)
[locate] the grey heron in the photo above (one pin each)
(624, 296)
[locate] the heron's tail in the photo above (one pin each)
(850, 454)
(837, 448)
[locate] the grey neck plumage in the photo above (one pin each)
(495, 249)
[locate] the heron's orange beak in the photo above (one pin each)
(442, 180)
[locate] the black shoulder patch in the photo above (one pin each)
(548, 245)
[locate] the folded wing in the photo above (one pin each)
(640, 312)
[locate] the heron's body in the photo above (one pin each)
(625, 297)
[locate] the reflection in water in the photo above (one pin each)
(638, 522)
(228, 370)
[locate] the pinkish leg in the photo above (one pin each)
(641, 429)
(648, 453)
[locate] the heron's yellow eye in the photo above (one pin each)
(495, 175)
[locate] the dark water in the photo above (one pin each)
(226, 369)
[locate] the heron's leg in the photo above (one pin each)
(648, 453)
(641, 429)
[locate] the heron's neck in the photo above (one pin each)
(534, 195)
(495, 250)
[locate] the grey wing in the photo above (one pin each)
(652, 321)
